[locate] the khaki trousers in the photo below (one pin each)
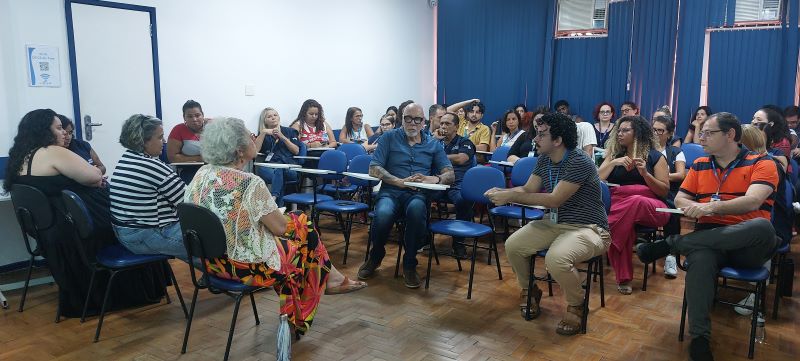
(568, 244)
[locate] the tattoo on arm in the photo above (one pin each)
(447, 176)
(382, 174)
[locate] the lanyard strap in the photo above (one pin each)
(558, 173)
(728, 171)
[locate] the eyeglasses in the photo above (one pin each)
(707, 133)
(625, 110)
(408, 119)
(659, 131)
(606, 112)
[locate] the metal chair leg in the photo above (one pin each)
(754, 318)
(683, 317)
(472, 267)
(601, 273)
(431, 252)
(255, 310)
(177, 289)
(233, 325)
(189, 321)
(347, 227)
(529, 298)
(88, 295)
(105, 305)
(27, 281)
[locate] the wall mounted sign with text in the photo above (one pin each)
(43, 66)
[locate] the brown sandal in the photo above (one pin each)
(535, 310)
(571, 323)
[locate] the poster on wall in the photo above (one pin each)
(43, 66)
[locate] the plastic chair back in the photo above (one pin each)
(32, 208)
(352, 150)
(478, 180)
(692, 151)
(80, 219)
(522, 170)
(334, 160)
(500, 155)
(360, 164)
(606, 193)
(795, 170)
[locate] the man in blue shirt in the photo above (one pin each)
(404, 155)
(461, 153)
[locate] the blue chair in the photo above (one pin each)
(114, 259)
(500, 155)
(204, 238)
(475, 183)
(330, 160)
(692, 151)
(34, 215)
(522, 170)
(594, 268)
(336, 161)
(780, 256)
(795, 174)
(352, 150)
(758, 276)
(358, 164)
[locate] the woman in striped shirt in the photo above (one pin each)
(145, 192)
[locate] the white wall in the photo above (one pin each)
(365, 53)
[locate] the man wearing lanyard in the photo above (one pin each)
(565, 181)
(404, 155)
(461, 153)
(730, 193)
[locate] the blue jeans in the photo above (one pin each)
(463, 207)
(166, 240)
(390, 205)
(278, 179)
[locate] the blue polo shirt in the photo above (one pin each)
(276, 146)
(402, 160)
(460, 144)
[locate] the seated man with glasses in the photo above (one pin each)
(565, 180)
(461, 153)
(404, 155)
(730, 193)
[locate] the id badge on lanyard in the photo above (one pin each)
(269, 156)
(533, 147)
(716, 197)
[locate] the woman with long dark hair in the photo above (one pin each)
(698, 119)
(603, 115)
(311, 124)
(634, 163)
(524, 146)
(38, 159)
(78, 146)
(355, 130)
(510, 131)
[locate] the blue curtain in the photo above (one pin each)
(620, 21)
(653, 53)
(790, 46)
(492, 50)
(579, 73)
(744, 71)
(689, 67)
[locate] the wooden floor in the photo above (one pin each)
(390, 322)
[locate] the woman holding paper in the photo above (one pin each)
(264, 247)
(633, 161)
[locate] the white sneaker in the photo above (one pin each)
(747, 301)
(670, 267)
(796, 206)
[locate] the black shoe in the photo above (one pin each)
(700, 350)
(367, 270)
(411, 278)
(650, 252)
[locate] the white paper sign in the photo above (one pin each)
(43, 66)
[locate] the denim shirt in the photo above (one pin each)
(402, 160)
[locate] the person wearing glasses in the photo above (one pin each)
(78, 146)
(355, 130)
(565, 180)
(404, 155)
(628, 108)
(663, 130)
(633, 162)
(603, 122)
(730, 194)
(386, 124)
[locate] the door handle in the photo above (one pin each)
(87, 127)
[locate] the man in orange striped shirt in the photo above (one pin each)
(730, 194)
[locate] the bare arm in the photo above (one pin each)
(331, 139)
(386, 177)
(447, 176)
(101, 166)
(751, 201)
(275, 222)
(73, 166)
(589, 149)
(174, 153)
(680, 172)
(344, 137)
(455, 107)
(458, 158)
(658, 182)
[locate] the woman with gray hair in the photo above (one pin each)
(264, 247)
(145, 192)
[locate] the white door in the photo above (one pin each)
(114, 71)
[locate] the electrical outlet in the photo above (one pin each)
(249, 90)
